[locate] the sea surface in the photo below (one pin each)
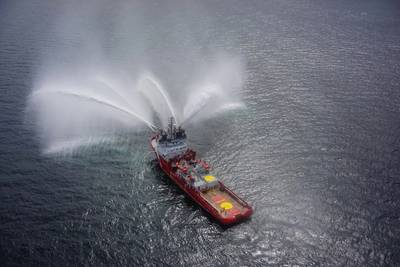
(316, 152)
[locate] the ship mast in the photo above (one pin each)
(170, 128)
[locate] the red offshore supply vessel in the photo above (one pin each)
(194, 177)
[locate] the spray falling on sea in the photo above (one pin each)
(85, 93)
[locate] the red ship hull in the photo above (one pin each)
(210, 200)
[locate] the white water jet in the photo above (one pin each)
(92, 102)
(95, 105)
(89, 86)
(155, 93)
(200, 99)
(79, 114)
(97, 100)
(84, 110)
(215, 90)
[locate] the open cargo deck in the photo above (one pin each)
(224, 202)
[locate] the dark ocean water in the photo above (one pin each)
(316, 152)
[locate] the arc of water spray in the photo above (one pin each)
(193, 114)
(122, 97)
(228, 106)
(159, 88)
(104, 83)
(202, 98)
(102, 102)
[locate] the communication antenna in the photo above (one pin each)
(171, 127)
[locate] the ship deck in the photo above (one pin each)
(215, 198)
(223, 202)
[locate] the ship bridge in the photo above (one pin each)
(171, 143)
(171, 149)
